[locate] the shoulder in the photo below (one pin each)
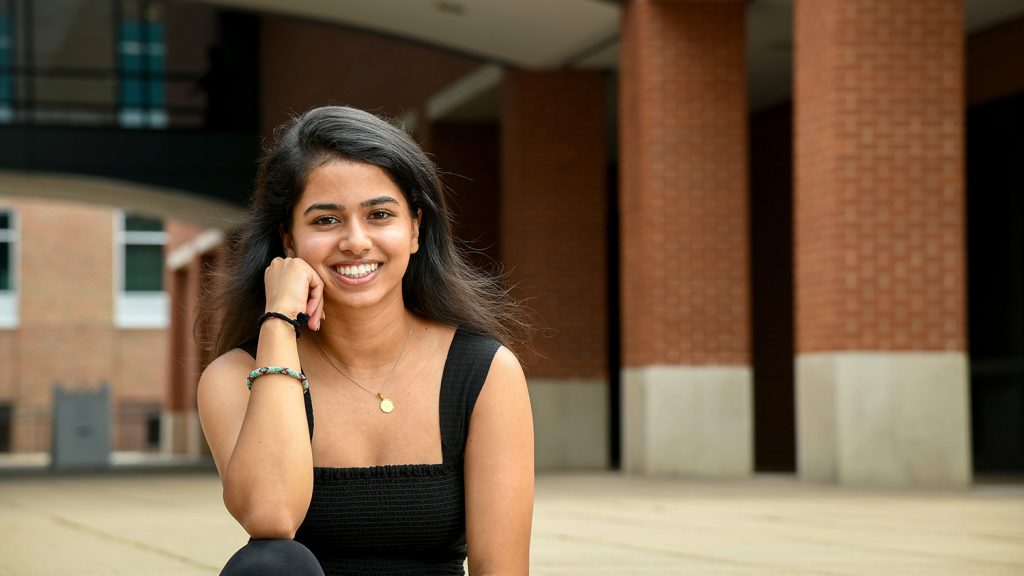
(233, 359)
(504, 394)
(505, 367)
(230, 365)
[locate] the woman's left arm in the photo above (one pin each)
(499, 472)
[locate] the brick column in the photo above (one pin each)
(687, 392)
(191, 259)
(554, 239)
(881, 352)
(182, 366)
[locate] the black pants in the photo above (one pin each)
(273, 558)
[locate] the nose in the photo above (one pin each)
(356, 238)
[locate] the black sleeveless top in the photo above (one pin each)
(407, 519)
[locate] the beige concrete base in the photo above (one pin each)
(570, 419)
(181, 433)
(883, 418)
(688, 420)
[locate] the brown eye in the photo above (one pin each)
(326, 220)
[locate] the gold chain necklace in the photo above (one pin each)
(386, 405)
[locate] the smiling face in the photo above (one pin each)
(353, 225)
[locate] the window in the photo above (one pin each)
(6, 63)
(141, 299)
(6, 425)
(8, 270)
(141, 52)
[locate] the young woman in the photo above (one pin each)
(385, 427)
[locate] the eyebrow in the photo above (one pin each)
(327, 207)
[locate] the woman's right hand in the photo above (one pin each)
(292, 287)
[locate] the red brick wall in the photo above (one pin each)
(66, 265)
(879, 175)
(554, 212)
(306, 64)
(66, 332)
(683, 142)
(995, 62)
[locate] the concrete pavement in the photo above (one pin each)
(173, 522)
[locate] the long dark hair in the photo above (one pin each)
(439, 283)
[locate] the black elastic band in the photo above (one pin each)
(297, 322)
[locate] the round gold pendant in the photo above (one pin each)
(386, 406)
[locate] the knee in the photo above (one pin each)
(273, 558)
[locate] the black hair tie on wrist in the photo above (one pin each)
(297, 322)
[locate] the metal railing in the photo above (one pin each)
(97, 102)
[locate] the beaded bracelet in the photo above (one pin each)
(297, 322)
(277, 370)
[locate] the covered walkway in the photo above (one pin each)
(170, 522)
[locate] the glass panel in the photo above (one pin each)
(144, 268)
(131, 93)
(5, 265)
(142, 224)
(76, 92)
(6, 49)
(76, 34)
(6, 426)
(5, 220)
(156, 93)
(155, 50)
(130, 48)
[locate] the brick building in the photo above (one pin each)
(84, 305)
(771, 235)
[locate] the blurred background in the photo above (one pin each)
(766, 236)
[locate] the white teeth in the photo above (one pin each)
(357, 271)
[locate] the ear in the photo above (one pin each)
(414, 246)
(287, 241)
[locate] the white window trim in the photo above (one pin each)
(137, 310)
(10, 307)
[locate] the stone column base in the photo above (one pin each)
(570, 420)
(883, 418)
(181, 433)
(688, 420)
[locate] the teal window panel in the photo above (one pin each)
(130, 47)
(142, 224)
(131, 92)
(5, 266)
(144, 267)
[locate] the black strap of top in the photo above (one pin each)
(250, 347)
(469, 361)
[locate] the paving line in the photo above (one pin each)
(902, 551)
(759, 566)
(85, 528)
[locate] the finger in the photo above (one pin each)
(315, 301)
(318, 314)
